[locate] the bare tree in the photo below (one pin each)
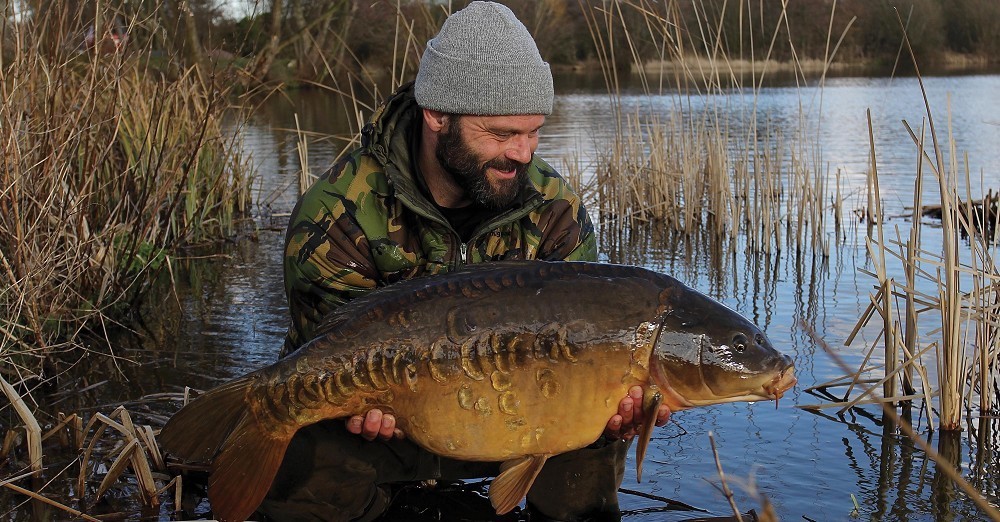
(262, 63)
(320, 30)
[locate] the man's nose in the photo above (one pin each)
(521, 148)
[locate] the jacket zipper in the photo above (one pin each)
(509, 217)
(422, 208)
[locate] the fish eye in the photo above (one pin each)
(739, 343)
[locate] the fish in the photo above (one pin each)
(510, 362)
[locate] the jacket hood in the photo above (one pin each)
(384, 136)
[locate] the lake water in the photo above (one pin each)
(228, 315)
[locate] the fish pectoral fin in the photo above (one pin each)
(651, 401)
(514, 481)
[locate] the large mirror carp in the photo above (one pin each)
(508, 362)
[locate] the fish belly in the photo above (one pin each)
(538, 409)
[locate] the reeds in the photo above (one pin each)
(756, 190)
(106, 168)
(928, 315)
(112, 448)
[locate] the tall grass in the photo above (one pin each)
(107, 169)
(757, 190)
(939, 346)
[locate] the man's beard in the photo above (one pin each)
(459, 160)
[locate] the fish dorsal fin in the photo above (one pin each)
(651, 400)
(244, 469)
(514, 481)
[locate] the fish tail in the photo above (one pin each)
(219, 427)
(243, 471)
(198, 430)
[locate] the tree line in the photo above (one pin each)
(317, 41)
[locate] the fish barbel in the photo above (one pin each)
(511, 362)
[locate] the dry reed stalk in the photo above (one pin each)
(11, 438)
(885, 283)
(53, 503)
(72, 423)
(302, 148)
(724, 486)
(33, 430)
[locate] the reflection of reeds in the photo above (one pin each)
(105, 169)
(946, 457)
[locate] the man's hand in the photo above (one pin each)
(624, 424)
(375, 424)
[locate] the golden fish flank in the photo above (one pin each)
(513, 346)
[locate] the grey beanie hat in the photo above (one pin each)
(484, 61)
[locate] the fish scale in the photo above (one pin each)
(511, 362)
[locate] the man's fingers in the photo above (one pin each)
(623, 424)
(663, 415)
(388, 426)
(373, 423)
(355, 423)
(626, 410)
(614, 427)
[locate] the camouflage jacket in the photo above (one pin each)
(365, 223)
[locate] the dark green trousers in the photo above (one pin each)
(330, 474)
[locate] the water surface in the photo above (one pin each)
(228, 315)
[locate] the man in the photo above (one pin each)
(446, 175)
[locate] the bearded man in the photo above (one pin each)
(446, 175)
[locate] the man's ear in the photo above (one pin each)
(435, 120)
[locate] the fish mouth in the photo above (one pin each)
(781, 383)
(773, 389)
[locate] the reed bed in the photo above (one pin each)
(757, 190)
(112, 454)
(108, 168)
(761, 193)
(938, 328)
(109, 171)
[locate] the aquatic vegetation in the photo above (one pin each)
(957, 330)
(756, 190)
(115, 453)
(107, 168)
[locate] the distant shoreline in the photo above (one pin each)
(702, 66)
